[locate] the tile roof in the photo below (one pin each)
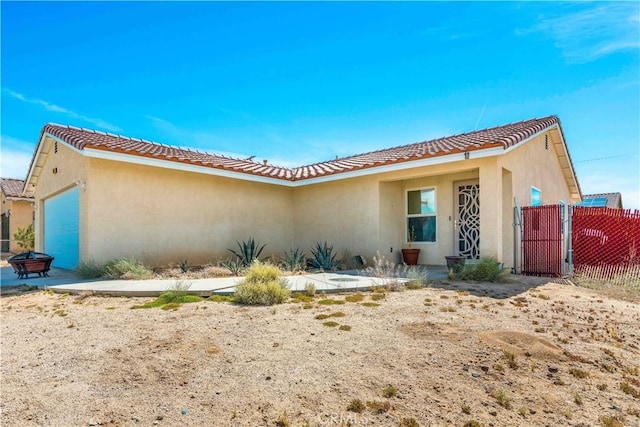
(504, 136)
(13, 188)
(613, 200)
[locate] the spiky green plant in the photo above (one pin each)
(323, 257)
(248, 251)
(293, 260)
(234, 266)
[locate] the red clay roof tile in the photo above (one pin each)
(13, 188)
(504, 136)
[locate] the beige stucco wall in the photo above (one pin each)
(343, 213)
(534, 165)
(71, 169)
(161, 216)
(20, 214)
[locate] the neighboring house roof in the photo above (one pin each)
(117, 147)
(12, 188)
(602, 200)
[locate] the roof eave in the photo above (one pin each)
(573, 177)
(20, 199)
(183, 166)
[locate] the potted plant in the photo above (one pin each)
(410, 255)
(455, 263)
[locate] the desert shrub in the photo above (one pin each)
(128, 269)
(310, 289)
(487, 269)
(89, 270)
(389, 391)
(347, 260)
(249, 251)
(323, 257)
(184, 266)
(417, 278)
(293, 260)
(356, 405)
(263, 285)
(382, 268)
(26, 237)
(502, 398)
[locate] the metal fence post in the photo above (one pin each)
(570, 240)
(516, 224)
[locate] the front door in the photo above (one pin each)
(467, 222)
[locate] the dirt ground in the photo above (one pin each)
(498, 354)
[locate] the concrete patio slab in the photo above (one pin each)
(65, 281)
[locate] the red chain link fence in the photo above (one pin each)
(606, 245)
(542, 241)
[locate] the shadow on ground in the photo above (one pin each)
(511, 286)
(10, 284)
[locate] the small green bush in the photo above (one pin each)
(175, 295)
(263, 285)
(128, 269)
(89, 270)
(171, 298)
(485, 270)
(26, 237)
(417, 278)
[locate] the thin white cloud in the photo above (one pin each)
(452, 30)
(15, 158)
(592, 31)
(61, 110)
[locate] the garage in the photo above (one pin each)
(61, 228)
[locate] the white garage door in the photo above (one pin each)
(61, 228)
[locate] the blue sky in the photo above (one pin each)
(299, 83)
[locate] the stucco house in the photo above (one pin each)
(602, 200)
(17, 212)
(101, 196)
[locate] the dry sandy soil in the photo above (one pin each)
(497, 354)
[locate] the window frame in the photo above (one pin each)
(539, 198)
(421, 215)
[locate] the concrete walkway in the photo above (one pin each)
(65, 281)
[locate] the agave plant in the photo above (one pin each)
(235, 267)
(293, 260)
(249, 251)
(184, 266)
(323, 257)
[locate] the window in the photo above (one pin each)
(421, 215)
(536, 197)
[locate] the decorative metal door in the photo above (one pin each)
(467, 223)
